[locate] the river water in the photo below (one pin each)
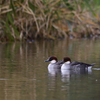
(24, 74)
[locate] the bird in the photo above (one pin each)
(54, 63)
(67, 64)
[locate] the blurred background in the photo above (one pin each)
(33, 30)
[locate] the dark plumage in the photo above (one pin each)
(74, 65)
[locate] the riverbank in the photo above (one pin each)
(29, 20)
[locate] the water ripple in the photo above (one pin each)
(96, 68)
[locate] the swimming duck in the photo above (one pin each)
(54, 63)
(67, 64)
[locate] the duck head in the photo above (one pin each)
(52, 59)
(66, 60)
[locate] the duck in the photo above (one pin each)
(54, 63)
(67, 64)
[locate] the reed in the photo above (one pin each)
(50, 19)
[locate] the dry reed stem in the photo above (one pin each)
(49, 19)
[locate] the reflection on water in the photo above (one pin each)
(24, 74)
(54, 72)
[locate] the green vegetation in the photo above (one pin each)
(50, 19)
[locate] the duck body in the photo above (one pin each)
(75, 65)
(56, 65)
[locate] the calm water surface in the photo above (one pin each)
(24, 74)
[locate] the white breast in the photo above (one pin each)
(65, 67)
(52, 66)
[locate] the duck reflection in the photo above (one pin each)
(68, 74)
(53, 78)
(53, 72)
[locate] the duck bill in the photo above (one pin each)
(61, 62)
(47, 60)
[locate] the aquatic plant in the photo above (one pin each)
(50, 19)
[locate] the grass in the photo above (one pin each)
(48, 19)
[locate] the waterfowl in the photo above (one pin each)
(54, 63)
(67, 64)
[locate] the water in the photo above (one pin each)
(24, 74)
